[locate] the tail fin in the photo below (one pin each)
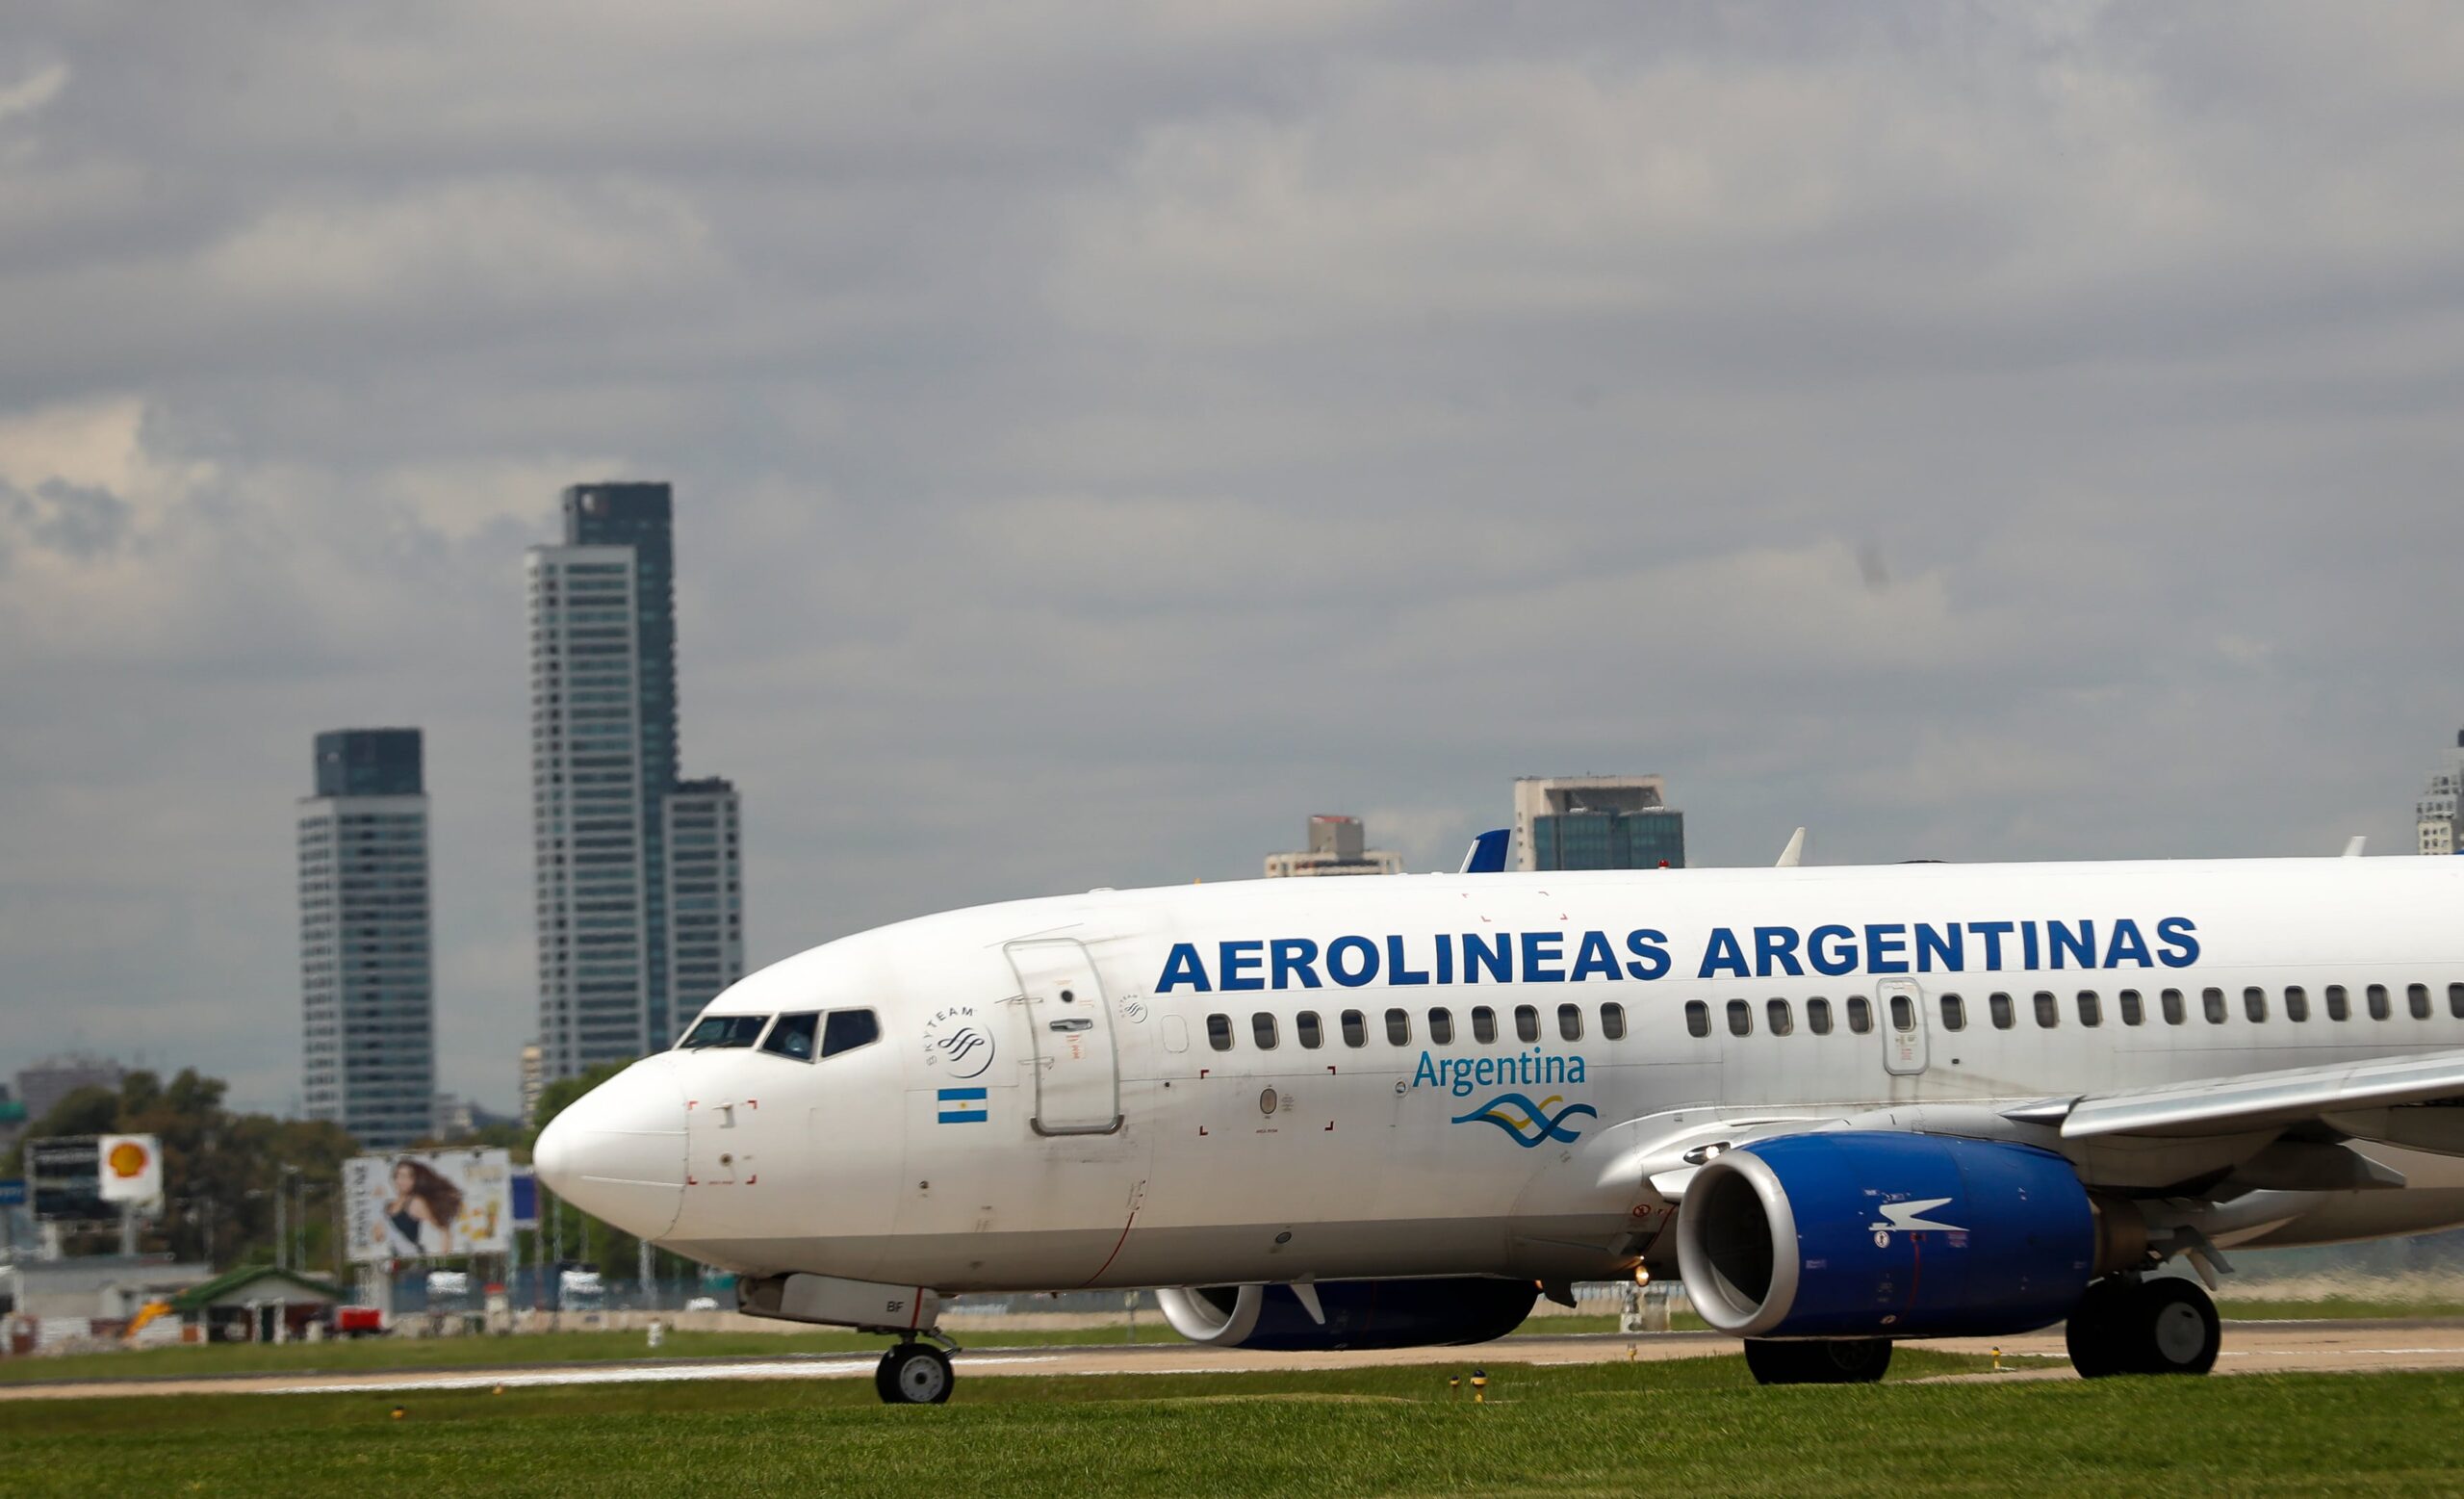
(1487, 855)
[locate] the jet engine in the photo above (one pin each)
(1860, 1233)
(1358, 1313)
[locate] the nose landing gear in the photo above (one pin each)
(913, 1374)
(2128, 1326)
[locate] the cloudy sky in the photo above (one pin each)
(1105, 434)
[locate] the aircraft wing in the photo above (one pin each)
(2255, 1100)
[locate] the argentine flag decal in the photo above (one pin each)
(963, 1106)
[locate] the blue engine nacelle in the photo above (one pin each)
(1875, 1235)
(1359, 1313)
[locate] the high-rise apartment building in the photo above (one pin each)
(1337, 845)
(604, 750)
(366, 947)
(1596, 822)
(705, 901)
(2436, 815)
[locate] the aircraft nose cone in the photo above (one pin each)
(618, 1151)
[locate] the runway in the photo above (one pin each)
(2249, 1347)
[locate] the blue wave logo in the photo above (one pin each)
(1515, 1113)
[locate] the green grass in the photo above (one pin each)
(1693, 1425)
(360, 1355)
(2331, 1307)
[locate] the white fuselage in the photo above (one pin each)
(1081, 1091)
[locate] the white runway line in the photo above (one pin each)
(798, 1369)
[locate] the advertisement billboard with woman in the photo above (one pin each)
(428, 1204)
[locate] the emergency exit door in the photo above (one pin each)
(1903, 1007)
(1070, 1026)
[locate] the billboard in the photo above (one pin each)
(130, 1168)
(426, 1203)
(65, 1176)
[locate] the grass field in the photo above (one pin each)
(1696, 1425)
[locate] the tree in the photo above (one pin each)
(222, 1171)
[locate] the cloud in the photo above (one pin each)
(1105, 435)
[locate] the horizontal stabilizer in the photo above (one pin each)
(1487, 855)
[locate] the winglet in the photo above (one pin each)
(1487, 854)
(2352, 844)
(1794, 854)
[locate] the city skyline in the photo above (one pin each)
(2023, 433)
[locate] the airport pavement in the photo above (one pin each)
(2249, 1347)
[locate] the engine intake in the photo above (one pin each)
(1359, 1313)
(1861, 1233)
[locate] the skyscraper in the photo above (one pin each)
(2436, 815)
(1596, 822)
(603, 768)
(366, 947)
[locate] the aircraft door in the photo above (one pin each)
(1903, 1027)
(1070, 1028)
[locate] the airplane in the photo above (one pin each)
(1843, 1107)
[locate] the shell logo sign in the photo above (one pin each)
(131, 1168)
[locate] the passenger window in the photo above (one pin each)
(2455, 1000)
(1612, 1021)
(1484, 1025)
(2212, 1004)
(1998, 1005)
(847, 1029)
(723, 1031)
(2254, 1004)
(2379, 1009)
(1527, 1021)
(792, 1036)
(2174, 1014)
(2339, 1005)
(2417, 995)
(2297, 1003)
(1818, 1016)
(2133, 1012)
(1398, 1027)
(1262, 1030)
(1860, 1014)
(1697, 1019)
(1355, 1028)
(2048, 1012)
(1218, 1032)
(1440, 1028)
(1740, 1017)
(1954, 1013)
(1305, 1027)
(1781, 1019)
(1569, 1022)
(1903, 1014)
(2091, 1010)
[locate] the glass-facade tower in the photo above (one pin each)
(365, 944)
(605, 752)
(1596, 822)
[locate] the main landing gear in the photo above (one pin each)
(2128, 1326)
(1818, 1360)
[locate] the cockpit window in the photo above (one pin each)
(848, 1030)
(792, 1036)
(723, 1031)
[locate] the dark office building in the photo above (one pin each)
(1596, 822)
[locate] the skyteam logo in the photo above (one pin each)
(957, 1045)
(1529, 1124)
